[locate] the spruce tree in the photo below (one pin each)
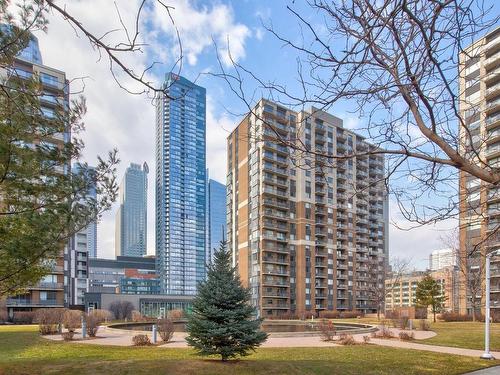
(429, 293)
(222, 320)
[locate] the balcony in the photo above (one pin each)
(48, 285)
(12, 302)
(492, 61)
(490, 91)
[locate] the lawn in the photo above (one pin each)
(22, 351)
(464, 335)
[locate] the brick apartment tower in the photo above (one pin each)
(307, 234)
(479, 85)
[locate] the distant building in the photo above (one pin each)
(131, 218)
(180, 186)
(106, 275)
(401, 292)
(216, 216)
(443, 258)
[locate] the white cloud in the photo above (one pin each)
(199, 27)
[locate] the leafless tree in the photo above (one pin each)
(115, 45)
(392, 276)
(398, 61)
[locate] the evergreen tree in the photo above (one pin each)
(429, 294)
(222, 321)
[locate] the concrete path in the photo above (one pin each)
(110, 336)
(487, 371)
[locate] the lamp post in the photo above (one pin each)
(487, 354)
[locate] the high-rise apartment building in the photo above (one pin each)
(307, 232)
(180, 185)
(443, 258)
(49, 292)
(131, 218)
(479, 86)
(216, 216)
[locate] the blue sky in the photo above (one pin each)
(118, 119)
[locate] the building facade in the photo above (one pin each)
(306, 232)
(180, 186)
(131, 218)
(443, 258)
(50, 291)
(401, 291)
(109, 275)
(479, 104)
(216, 216)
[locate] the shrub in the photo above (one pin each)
(72, 319)
(384, 332)
(329, 314)
(366, 339)
(405, 336)
(137, 316)
(424, 325)
(141, 340)
(284, 316)
(351, 314)
(23, 317)
(102, 315)
(122, 309)
(175, 314)
(92, 321)
(68, 336)
(327, 330)
(165, 329)
(49, 320)
(404, 322)
(346, 339)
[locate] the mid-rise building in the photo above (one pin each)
(401, 291)
(307, 231)
(109, 275)
(479, 105)
(216, 216)
(131, 217)
(180, 186)
(443, 258)
(50, 291)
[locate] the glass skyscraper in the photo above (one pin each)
(180, 185)
(216, 216)
(131, 218)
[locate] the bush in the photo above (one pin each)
(165, 329)
(72, 319)
(92, 321)
(346, 339)
(23, 317)
(351, 314)
(405, 336)
(329, 314)
(424, 325)
(327, 330)
(137, 316)
(366, 339)
(49, 320)
(102, 315)
(141, 340)
(384, 332)
(67, 336)
(175, 314)
(284, 316)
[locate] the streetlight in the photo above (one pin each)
(487, 354)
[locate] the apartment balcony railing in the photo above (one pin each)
(492, 60)
(29, 302)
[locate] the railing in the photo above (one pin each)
(25, 302)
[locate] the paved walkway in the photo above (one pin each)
(487, 371)
(110, 336)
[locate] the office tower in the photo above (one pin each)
(479, 105)
(82, 246)
(131, 217)
(50, 291)
(180, 186)
(443, 258)
(306, 232)
(216, 216)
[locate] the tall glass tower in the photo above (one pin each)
(131, 218)
(216, 216)
(180, 185)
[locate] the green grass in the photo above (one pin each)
(468, 335)
(22, 351)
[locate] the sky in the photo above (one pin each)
(118, 119)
